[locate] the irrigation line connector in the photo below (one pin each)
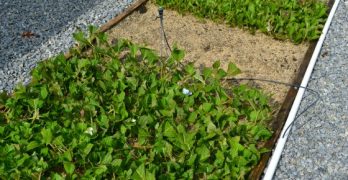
(160, 13)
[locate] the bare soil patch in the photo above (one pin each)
(258, 55)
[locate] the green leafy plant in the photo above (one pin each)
(121, 112)
(297, 20)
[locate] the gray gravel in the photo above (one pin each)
(52, 22)
(317, 147)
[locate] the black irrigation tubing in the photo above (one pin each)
(160, 16)
(316, 93)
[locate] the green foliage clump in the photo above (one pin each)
(297, 20)
(119, 112)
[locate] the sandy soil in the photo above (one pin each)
(258, 56)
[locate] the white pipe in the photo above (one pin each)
(269, 172)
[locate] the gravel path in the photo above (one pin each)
(317, 147)
(52, 22)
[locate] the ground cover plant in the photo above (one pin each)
(297, 20)
(121, 112)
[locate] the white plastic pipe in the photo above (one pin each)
(269, 172)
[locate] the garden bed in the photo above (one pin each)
(259, 56)
(97, 87)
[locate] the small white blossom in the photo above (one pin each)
(134, 120)
(89, 131)
(186, 92)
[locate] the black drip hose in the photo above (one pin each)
(160, 14)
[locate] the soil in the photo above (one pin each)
(257, 55)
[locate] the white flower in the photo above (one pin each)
(186, 92)
(134, 120)
(89, 131)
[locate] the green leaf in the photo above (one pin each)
(46, 136)
(35, 103)
(108, 141)
(82, 63)
(149, 55)
(102, 85)
(43, 92)
(190, 69)
(235, 146)
(233, 70)
(203, 152)
(108, 157)
(185, 139)
(58, 141)
(133, 50)
(116, 163)
(44, 151)
(139, 173)
(32, 145)
(188, 174)
(192, 117)
(177, 54)
(103, 37)
(260, 132)
(207, 72)
(216, 64)
(198, 77)
(264, 150)
(154, 102)
(121, 96)
(169, 130)
(167, 113)
(221, 74)
(123, 129)
(21, 161)
(207, 106)
(104, 121)
(67, 155)
(72, 88)
(211, 127)
(69, 167)
(192, 159)
(150, 175)
(124, 113)
(143, 136)
(80, 37)
(101, 169)
(254, 115)
(132, 82)
(56, 176)
(219, 158)
(87, 149)
(92, 29)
